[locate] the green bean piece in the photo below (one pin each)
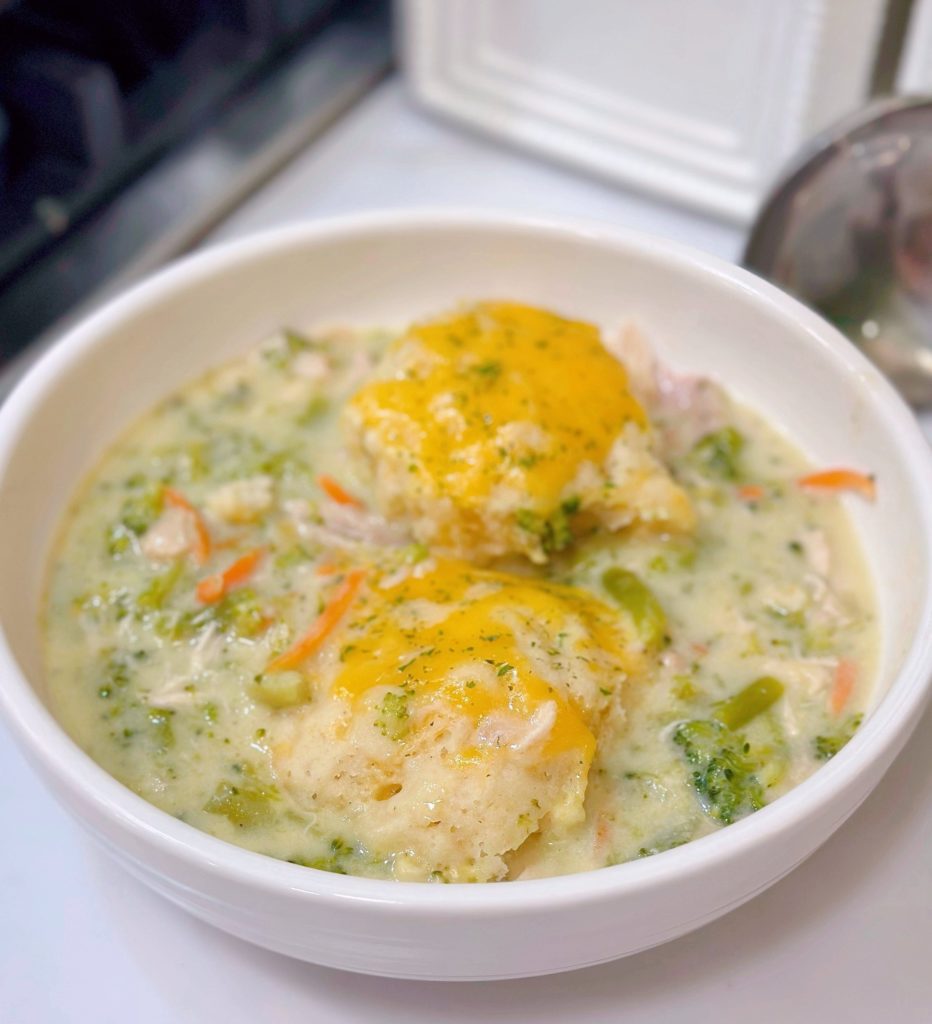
(638, 600)
(748, 703)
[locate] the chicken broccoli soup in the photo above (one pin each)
(495, 597)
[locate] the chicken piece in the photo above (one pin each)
(454, 714)
(241, 501)
(170, 536)
(507, 429)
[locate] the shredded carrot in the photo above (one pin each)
(845, 678)
(602, 835)
(333, 490)
(227, 542)
(322, 627)
(750, 492)
(213, 587)
(201, 548)
(327, 569)
(834, 480)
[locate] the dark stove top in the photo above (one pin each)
(112, 114)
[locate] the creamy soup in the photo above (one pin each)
(493, 598)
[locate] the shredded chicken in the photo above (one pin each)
(356, 524)
(817, 551)
(358, 370)
(341, 527)
(686, 406)
(312, 366)
(170, 536)
(500, 729)
(177, 692)
(811, 675)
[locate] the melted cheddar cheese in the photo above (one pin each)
(492, 431)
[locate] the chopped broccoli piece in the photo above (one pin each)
(555, 533)
(138, 513)
(315, 410)
(159, 589)
(723, 775)
(392, 720)
(141, 510)
(662, 844)
(296, 342)
(826, 747)
(718, 454)
(240, 612)
(160, 721)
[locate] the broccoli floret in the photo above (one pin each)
(723, 775)
(826, 747)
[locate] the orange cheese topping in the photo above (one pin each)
(501, 394)
(485, 642)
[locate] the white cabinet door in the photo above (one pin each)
(696, 100)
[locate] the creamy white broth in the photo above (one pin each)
(162, 691)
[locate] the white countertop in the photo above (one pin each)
(846, 937)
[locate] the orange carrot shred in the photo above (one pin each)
(201, 548)
(835, 480)
(327, 569)
(323, 625)
(845, 678)
(333, 490)
(750, 492)
(213, 587)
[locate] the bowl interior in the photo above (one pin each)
(701, 316)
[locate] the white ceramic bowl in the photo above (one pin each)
(701, 314)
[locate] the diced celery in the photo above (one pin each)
(281, 689)
(246, 803)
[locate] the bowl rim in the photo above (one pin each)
(47, 745)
